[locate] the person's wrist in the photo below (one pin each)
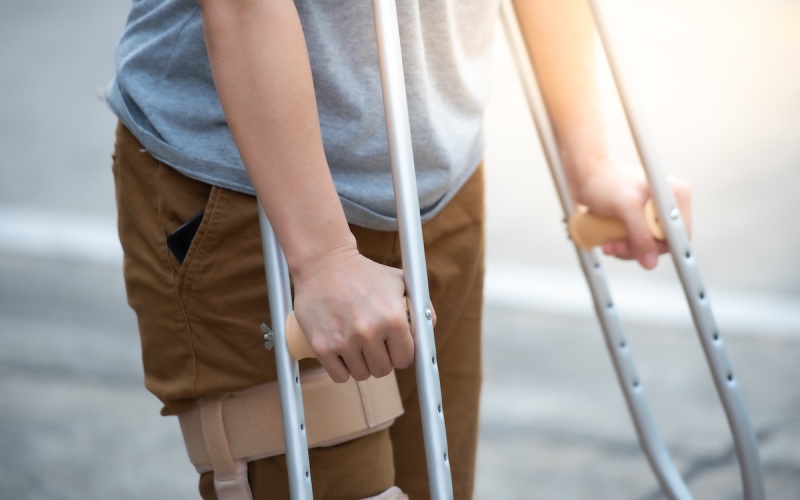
(583, 164)
(309, 265)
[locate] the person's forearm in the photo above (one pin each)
(560, 38)
(262, 73)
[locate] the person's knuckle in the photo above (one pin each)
(320, 346)
(360, 375)
(382, 370)
(627, 200)
(405, 355)
(361, 331)
(404, 361)
(397, 323)
(339, 376)
(339, 343)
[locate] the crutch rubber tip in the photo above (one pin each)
(296, 341)
(590, 230)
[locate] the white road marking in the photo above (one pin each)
(63, 236)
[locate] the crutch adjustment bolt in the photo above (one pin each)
(428, 313)
(674, 214)
(269, 342)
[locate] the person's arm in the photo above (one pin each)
(350, 307)
(560, 37)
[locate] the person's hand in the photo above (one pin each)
(621, 193)
(353, 312)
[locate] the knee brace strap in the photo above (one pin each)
(223, 431)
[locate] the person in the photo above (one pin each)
(218, 101)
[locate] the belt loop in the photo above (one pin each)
(230, 476)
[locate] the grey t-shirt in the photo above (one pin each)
(164, 93)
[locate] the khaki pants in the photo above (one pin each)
(199, 322)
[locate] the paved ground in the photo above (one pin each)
(76, 422)
(718, 80)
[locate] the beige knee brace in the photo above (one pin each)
(393, 493)
(223, 432)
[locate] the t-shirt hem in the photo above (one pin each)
(236, 178)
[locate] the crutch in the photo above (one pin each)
(415, 275)
(670, 220)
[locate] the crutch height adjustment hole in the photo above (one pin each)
(297, 380)
(702, 295)
(302, 427)
(440, 408)
(635, 384)
(307, 474)
(433, 360)
(623, 345)
(610, 305)
(445, 456)
(730, 377)
(688, 254)
(716, 336)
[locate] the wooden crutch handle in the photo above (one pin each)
(590, 230)
(297, 342)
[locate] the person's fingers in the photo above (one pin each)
(372, 338)
(331, 362)
(401, 349)
(340, 354)
(377, 359)
(642, 244)
(356, 364)
(361, 324)
(618, 248)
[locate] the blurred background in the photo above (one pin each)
(716, 80)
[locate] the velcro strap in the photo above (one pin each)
(251, 419)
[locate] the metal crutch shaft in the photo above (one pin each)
(411, 246)
(415, 275)
(288, 369)
(677, 238)
(618, 347)
(696, 295)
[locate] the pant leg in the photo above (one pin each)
(355, 469)
(454, 244)
(199, 320)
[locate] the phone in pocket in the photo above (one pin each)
(180, 239)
